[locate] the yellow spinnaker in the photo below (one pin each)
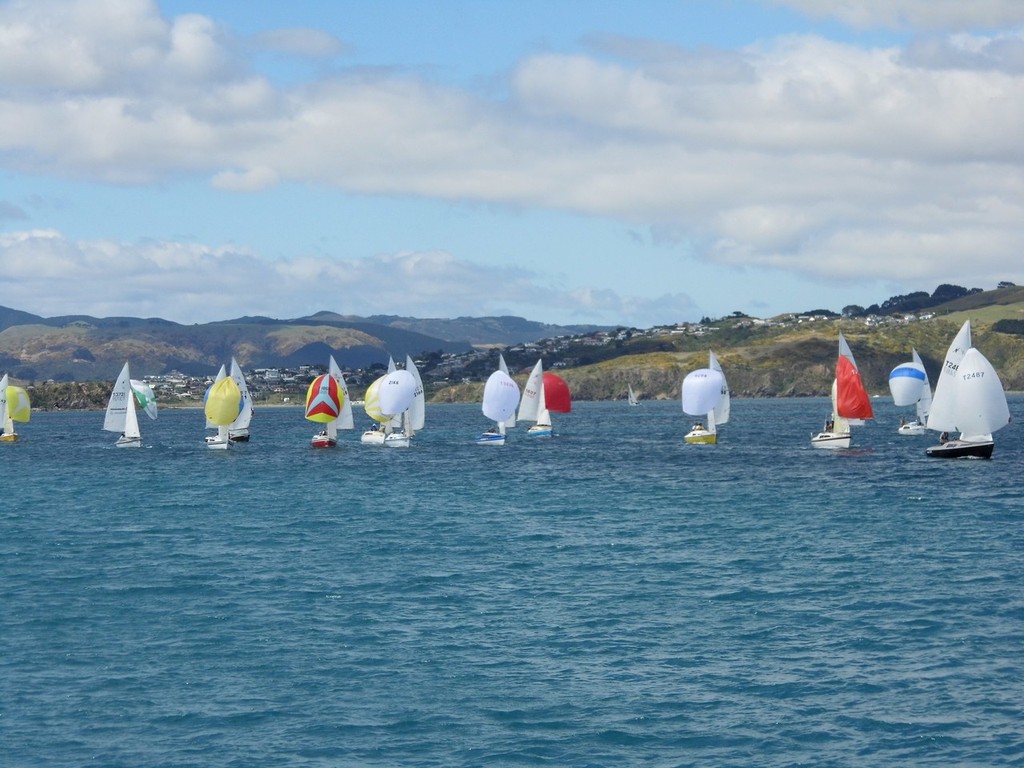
(223, 402)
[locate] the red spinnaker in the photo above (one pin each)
(556, 394)
(852, 401)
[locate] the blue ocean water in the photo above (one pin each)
(608, 597)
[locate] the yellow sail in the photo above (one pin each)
(223, 402)
(18, 406)
(371, 402)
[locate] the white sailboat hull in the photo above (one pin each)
(397, 440)
(373, 437)
(128, 442)
(831, 440)
(912, 428)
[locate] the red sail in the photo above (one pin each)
(852, 400)
(556, 394)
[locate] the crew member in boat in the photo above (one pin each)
(944, 438)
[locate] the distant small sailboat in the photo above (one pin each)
(705, 393)
(501, 396)
(631, 395)
(850, 402)
(238, 431)
(969, 399)
(909, 385)
(121, 415)
(14, 406)
(544, 392)
(222, 406)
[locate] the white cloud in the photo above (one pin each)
(942, 14)
(252, 180)
(311, 43)
(801, 154)
(189, 282)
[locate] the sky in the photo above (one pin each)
(568, 161)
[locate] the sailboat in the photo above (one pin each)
(387, 401)
(909, 385)
(414, 415)
(544, 392)
(969, 398)
(631, 395)
(386, 423)
(14, 406)
(850, 402)
(705, 393)
(222, 406)
(221, 375)
(501, 396)
(238, 431)
(328, 403)
(121, 415)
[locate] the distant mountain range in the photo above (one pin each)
(85, 348)
(81, 348)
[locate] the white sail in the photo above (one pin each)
(724, 405)
(501, 396)
(511, 420)
(631, 395)
(924, 402)
(943, 415)
(6, 424)
(840, 424)
(396, 421)
(220, 375)
(531, 406)
(906, 381)
(244, 415)
(121, 402)
(415, 416)
(345, 419)
(701, 391)
(980, 400)
(396, 393)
